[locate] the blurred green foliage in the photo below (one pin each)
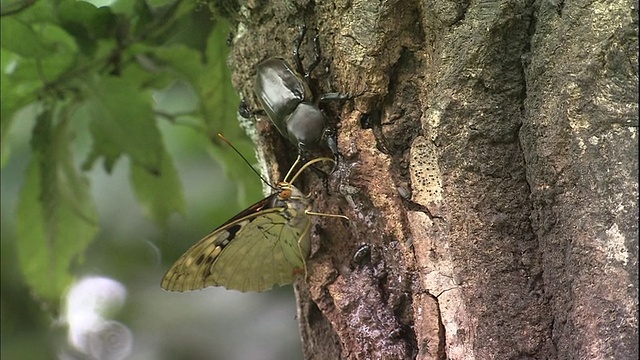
(97, 84)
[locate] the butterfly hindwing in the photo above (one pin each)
(265, 254)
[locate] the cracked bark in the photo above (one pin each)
(494, 181)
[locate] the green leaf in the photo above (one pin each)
(56, 218)
(61, 58)
(21, 94)
(122, 122)
(160, 195)
(39, 12)
(221, 99)
(211, 80)
(159, 3)
(21, 39)
(189, 26)
(218, 101)
(23, 78)
(127, 8)
(86, 23)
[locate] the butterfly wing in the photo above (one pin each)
(257, 249)
(269, 252)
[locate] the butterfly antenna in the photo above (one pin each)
(295, 163)
(245, 160)
(316, 160)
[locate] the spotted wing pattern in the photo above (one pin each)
(259, 248)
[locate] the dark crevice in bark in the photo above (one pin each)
(441, 331)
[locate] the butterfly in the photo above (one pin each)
(264, 245)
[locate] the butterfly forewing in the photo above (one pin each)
(255, 250)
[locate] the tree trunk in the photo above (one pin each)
(489, 170)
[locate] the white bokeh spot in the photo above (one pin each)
(90, 301)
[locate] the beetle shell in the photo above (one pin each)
(279, 88)
(284, 96)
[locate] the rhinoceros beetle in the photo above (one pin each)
(287, 99)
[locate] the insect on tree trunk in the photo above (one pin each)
(489, 169)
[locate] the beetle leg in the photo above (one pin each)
(325, 182)
(302, 154)
(322, 175)
(334, 96)
(296, 49)
(332, 143)
(316, 55)
(373, 121)
(316, 52)
(245, 110)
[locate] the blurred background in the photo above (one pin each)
(115, 308)
(209, 324)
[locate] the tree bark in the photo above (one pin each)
(489, 172)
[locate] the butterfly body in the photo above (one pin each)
(262, 246)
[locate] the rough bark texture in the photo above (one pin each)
(494, 180)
